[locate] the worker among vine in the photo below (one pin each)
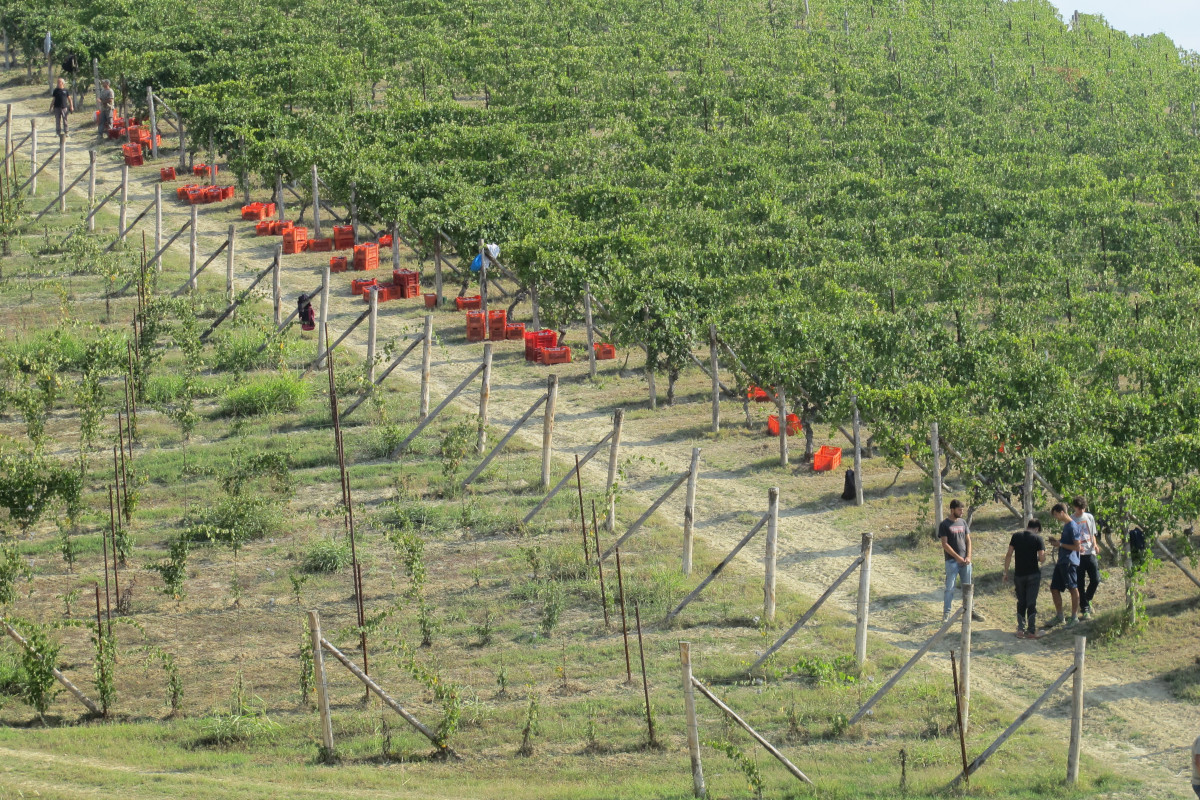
(104, 100)
(1065, 570)
(1089, 563)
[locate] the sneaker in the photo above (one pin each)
(1032, 634)
(1072, 622)
(1085, 613)
(945, 617)
(1057, 619)
(1021, 634)
(976, 616)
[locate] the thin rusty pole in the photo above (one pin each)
(582, 518)
(99, 624)
(637, 615)
(600, 564)
(117, 479)
(962, 738)
(104, 542)
(624, 622)
(124, 470)
(112, 525)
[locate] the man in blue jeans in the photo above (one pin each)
(956, 546)
(1065, 571)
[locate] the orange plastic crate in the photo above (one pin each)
(205, 171)
(431, 301)
(212, 194)
(407, 281)
(196, 196)
(793, 424)
(758, 395)
(385, 240)
(497, 322)
(827, 458)
(295, 241)
(263, 228)
(554, 355)
(538, 339)
(366, 256)
(320, 245)
(133, 161)
(131, 149)
(464, 303)
(358, 286)
(475, 326)
(515, 330)
(337, 264)
(166, 174)
(604, 352)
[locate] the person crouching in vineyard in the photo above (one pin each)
(956, 547)
(1089, 565)
(1030, 552)
(1065, 571)
(304, 310)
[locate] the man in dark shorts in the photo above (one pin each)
(1030, 552)
(1065, 577)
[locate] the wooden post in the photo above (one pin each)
(591, 331)
(864, 600)
(153, 123)
(158, 230)
(182, 143)
(1027, 497)
(229, 247)
(323, 322)
(614, 449)
(485, 393)
(96, 76)
(650, 367)
(314, 632)
(372, 325)
(548, 428)
(437, 267)
(193, 247)
(277, 295)
(8, 129)
(693, 730)
(279, 196)
(858, 486)
(396, 248)
(316, 199)
(624, 621)
(587, 560)
(599, 565)
(535, 319)
(483, 280)
(716, 381)
(689, 511)
(1076, 713)
(958, 711)
(33, 166)
(426, 352)
(936, 473)
(124, 203)
(354, 210)
(91, 220)
(62, 174)
(772, 546)
(637, 616)
(964, 678)
(781, 405)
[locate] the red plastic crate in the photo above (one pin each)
(475, 326)
(535, 340)
(280, 227)
(359, 285)
(793, 424)
(366, 256)
(166, 174)
(196, 196)
(514, 330)
(116, 132)
(758, 395)
(407, 281)
(385, 240)
(497, 323)
(320, 245)
(827, 458)
(263, 228)
(212, 194)
(254, 211)
(604, 352)
(431, 301)
(383, 293)
(554, 355)
(205, 171)
(181, 191)
(227, 192)
(133, 161)
(295, 241)
(464, 303)
(343, 237)
(337, 264)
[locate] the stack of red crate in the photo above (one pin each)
(497, 322)
(554, 355)
(281, 226)
(359, 285)
(536, 340)
(343, 237)
(295, 241)
(366, 256)
(514, 330)
(133, 154)
(407, 281)
(467, 303)
(476, 327)
(258, 211)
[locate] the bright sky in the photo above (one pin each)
(1179, 19)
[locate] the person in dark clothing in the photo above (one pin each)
(1088, 571)
(305, 309)
(1065, 571)
(956, 547)
(1030, 552)
(61, 104)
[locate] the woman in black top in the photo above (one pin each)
(61, 104)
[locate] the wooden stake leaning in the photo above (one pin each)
(433, 415)
(71, 687)
(624, 621)
(558, 486)
(500, 446)
(693, 729)
(582, 518)
(958, 710)
(649, 511)
(600, 565)
(637, 615)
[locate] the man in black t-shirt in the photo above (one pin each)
(61, 104)
(956, 549)
(1030, 552)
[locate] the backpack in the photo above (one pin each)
(70, 64)
(848, 488)
(1137, 542)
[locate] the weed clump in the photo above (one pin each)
(269, 395)
(327, 556)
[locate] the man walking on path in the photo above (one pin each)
(105, 98)
(61, 104)
(1089, 565)
(956, 546)
(1030, 552)
(1065, 578)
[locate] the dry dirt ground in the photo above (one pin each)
(1132, 722)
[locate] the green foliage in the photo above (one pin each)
(13, 567)
(173, 570)
(156, 655)
(232, 521)
(825, 672)
(327, 556)
(31, 484)
(38, 685)
(748, 767)
(532, 725)
(104, 663)
(456, 443)
(267, 395)
(445, 692)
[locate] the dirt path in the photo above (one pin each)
(818, 535)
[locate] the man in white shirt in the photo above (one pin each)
(1089, 564)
